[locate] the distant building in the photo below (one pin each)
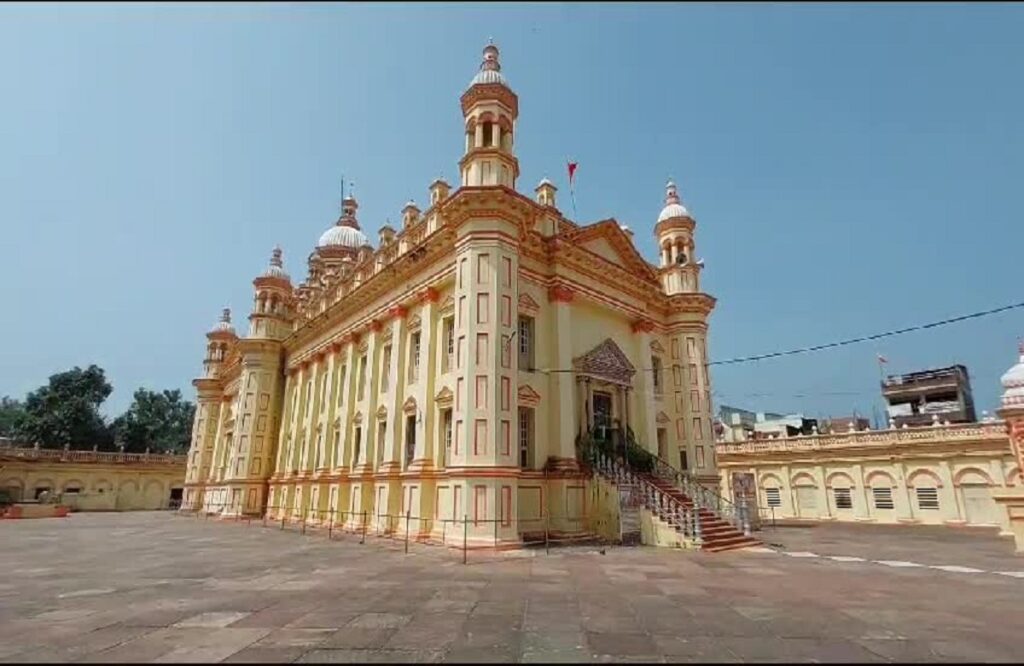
(739, 425)
(931, 396)
(841, 424)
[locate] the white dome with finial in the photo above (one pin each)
(224, 324)
(276, 267)
(1013, 382)
(673, 208)
(490, 69)
(345, 232)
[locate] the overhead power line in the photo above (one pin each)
(867, 338)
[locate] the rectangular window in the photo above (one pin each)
(684, 464)
(341, 386)
(385, 368)
(883, 498)
(449, 344)
(656, 373)
(525, 438)
(698, 432)
(525, 343)
(928, 499)
(773, 497)
(410, 439)
(700, 457)
(382, 431)
(309, 396)
(844, 500)
(357, 445)
(447, 425)
(693, 374)
(323, 391)
(362, 376)
(414, 357)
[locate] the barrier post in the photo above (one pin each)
(444, 528)
(304, 520)
(363, 538)
(330, 529)
(283, 514)
(465, 535)
(547, 543)
(406, 532)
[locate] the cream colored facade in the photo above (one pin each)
(944, 474)
(446, 373)
(94, 481)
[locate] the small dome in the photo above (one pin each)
(673, 207)
(490, 69)
(276, 267)
(343, 236)
(224, 325)
(1013, 382)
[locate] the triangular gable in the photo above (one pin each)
(382, 412)
(606, 361)
(444, 397)
(606, 240)
(656, 347)
(409, 406)
(527, 396)
(527, 305)
(662, 417)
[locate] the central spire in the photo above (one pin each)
(490, 109)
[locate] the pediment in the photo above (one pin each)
(448, 304)
(409, 406)
(415, 322)
(527, 305)
(606, 361)
(527, 396)
(656, 347)
(609, 242)
(444, 397)
(662, 417)
(382, 412)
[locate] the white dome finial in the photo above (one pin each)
(1013, 381)
(673, 205)
(490, 68)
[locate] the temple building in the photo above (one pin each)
(448, 372)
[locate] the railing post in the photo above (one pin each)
(284, 515)
(745, 511)
(696, 524)
(406, 532)
(362, 539)
(304, 511)
(330, 529)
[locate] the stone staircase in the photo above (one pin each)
(716, 534)
(697, 513)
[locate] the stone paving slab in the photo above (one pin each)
(154, 587)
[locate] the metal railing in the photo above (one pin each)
(405, 527)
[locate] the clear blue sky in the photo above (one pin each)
(852, 168)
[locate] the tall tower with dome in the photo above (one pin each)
(454, 371)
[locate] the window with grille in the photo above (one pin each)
(362, 376)
(773, 497)
(844, 500)
(525, 343)
(385, 368)
(414, 357)
(525, 438)
(357, 445)
(883, 498)
(447, 437)
(928, 499)
(410, 439)
(449, 343)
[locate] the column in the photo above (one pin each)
(479, 136)
(562, 383)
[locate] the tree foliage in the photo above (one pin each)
(12, 413)
(66, 411)
(160, 421)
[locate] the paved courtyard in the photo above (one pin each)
(163, 588)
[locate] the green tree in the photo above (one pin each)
(160, 421)
(12, 413)
(67, 411)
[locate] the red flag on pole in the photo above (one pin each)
(572, 171)
(572, 190)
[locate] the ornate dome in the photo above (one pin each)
(673, 207)
(224, 325)
(1013, 382)
(345, 232)
(276, 267)
(343, 236)
(490, 69)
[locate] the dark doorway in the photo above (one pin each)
(602, 415)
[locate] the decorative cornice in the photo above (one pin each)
(430, 295)
(398, 312)
(643, 326)
(560, 294)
